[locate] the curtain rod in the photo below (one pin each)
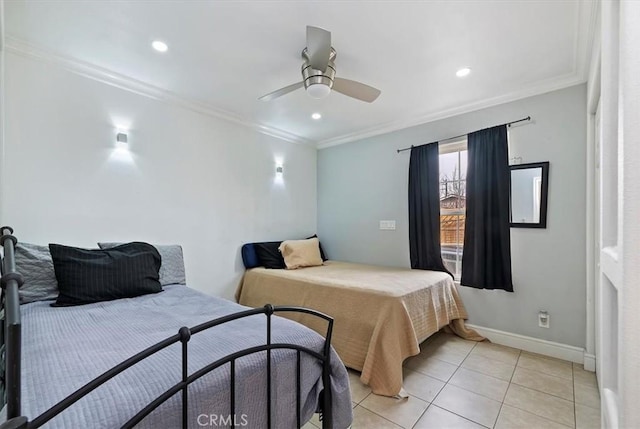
(508, 124)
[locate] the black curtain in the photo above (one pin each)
(424, 208)
(486, 261)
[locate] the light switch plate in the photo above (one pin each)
(388, 225)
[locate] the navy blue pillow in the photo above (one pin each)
(249, 256)
(269, 255)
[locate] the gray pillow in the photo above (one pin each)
(36, 266)
(172, 268)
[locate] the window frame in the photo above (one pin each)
(446, 147)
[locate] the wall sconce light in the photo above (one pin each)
(120, 152)
(278, 178)
(121, 138)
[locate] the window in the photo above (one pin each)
(453, 186)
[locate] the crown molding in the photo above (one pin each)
(586, 26)
(555, 84)
(588, 15)
(126, 83)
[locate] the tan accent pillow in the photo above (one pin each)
(301, 253)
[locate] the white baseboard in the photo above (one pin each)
(610, 409)
(589, 362)
(534, 345)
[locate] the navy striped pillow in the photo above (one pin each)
(88, 276)
(269, 255)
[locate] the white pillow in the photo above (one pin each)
(301, 253)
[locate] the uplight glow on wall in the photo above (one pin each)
(121, 152)
(279, 176)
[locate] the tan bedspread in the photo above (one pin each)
(380, 313)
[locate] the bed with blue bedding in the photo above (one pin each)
(63, 348)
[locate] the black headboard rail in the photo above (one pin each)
(11, 281)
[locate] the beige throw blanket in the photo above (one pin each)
(381, 314)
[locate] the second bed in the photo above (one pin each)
(381, 314)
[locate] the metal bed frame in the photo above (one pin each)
(11, 339)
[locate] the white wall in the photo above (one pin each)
(366, 181)
(196, 180)
(629, 111)
(618, 269)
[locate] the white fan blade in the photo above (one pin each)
(318, 47)
(280, 92)
(354, 89)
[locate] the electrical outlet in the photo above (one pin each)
(543, 319)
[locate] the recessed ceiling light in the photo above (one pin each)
(316, 116)
(159, 46)
(463, 72)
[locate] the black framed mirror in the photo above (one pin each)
(528, 199)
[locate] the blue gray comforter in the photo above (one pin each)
(64, 348)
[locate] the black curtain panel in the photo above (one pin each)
(486, 261)
(424, 208)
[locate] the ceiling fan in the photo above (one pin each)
(319, 71)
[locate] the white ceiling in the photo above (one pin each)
(223, 55)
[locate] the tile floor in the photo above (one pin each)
(455, 383)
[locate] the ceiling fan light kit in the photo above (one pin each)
(318, 83)
(319, 72)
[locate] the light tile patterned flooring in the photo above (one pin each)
(454, 383)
